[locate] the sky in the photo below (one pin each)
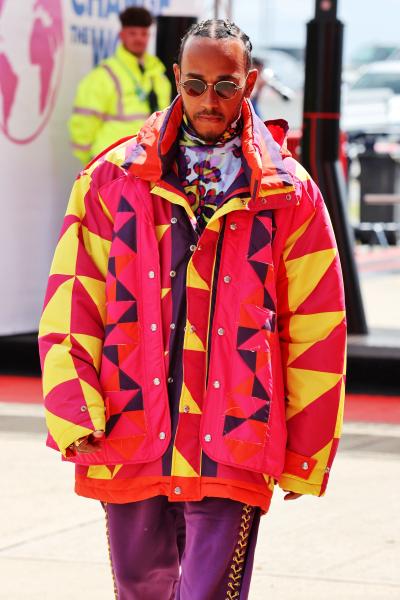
(283, 22)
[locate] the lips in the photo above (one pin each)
(211, 118)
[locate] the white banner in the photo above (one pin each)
(46, 46)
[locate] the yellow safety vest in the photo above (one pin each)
(112, 101)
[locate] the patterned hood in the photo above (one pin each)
(263, 145)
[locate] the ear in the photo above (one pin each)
(250, 82)
(177, 74)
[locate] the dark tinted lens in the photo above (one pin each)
(226, 89)
(194, 87)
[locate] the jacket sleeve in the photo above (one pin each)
(94, 99)
(312, 329)
(71, 328)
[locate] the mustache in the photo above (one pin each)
(209, 113)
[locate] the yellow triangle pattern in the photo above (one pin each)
(305, 273)
(64, 432)
(76, 204)
(95, 404)
(187, 400)
(295, 350)
(339, 420)
(97, 247)
(97, 291)
(192, 340)
(116, 469)
(164, 292)
(58, 366)
(92, 345)
(194, 280)
(322, 458)
(180, 466)
(295, 236)
(64, 261)
(99, 472)
(56, 316)
(316, 326)
(306, 386)
(160, 230)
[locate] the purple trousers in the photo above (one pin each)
(162, 550)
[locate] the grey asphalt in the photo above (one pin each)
(345, 546)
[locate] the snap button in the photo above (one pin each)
(151, 274)
(83, 408)
(227, 278)
(174, 220)
(207, 437)
(170, 379)
(233, 226)
(162, 435)
(156, 381)
(193, 247)
(153, 327)
(216, 384)
(221, 331)
(172, 326)
(304, 466)
(186, 408)
(178, 490)
(172, 273)
(192, 328)
(288, 197)
(263, 201)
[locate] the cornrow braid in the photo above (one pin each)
(217, 29)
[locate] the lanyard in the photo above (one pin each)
(141, 94)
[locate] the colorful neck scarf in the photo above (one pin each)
(207, 170)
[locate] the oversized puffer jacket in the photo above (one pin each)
(264, 344)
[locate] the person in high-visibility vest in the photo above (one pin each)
(115, 98)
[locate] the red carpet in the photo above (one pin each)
(359, 407)
(14, 388)
(372, 409)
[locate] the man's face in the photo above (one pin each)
(135, 39)
(212, 61)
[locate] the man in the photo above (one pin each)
(115, 99)
(193, 334)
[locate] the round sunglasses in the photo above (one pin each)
(224, 89)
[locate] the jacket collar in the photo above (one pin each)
(154, 149)
(129, 59)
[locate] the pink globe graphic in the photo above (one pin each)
(31, 52)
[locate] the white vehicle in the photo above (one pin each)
(371, 105)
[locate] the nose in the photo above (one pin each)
(210, 97)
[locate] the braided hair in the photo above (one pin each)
(217, 29)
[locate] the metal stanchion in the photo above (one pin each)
(320, 142)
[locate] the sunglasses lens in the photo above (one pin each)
(194, 87)
(226, 89)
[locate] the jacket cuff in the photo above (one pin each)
(291, 484)
(303, 474)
